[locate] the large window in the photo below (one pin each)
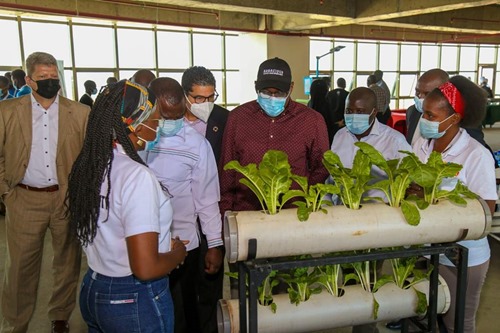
(409, 57)
(388, 57)
(429, 57)
(91, 51)
(101, 48)
(207, 50)
(367, 56)
(403, 62)
(34, 39)
(11, 52)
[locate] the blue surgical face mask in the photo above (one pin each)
(357, 123)
(430, 129)
(168, 127)
(94, 91)
(150, 144)
(272, 106)
(1, 92)
(418, 104)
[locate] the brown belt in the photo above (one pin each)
(52, 188)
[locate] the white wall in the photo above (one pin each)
(257, 47)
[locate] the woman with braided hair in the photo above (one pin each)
(122, 217)
(460, 102)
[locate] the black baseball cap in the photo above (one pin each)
(274, 73)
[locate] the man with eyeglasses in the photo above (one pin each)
(208, 119)
(273, 121)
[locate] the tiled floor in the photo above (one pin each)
(488, 319)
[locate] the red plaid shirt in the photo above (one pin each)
(299, 131)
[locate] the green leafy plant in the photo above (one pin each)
(313, 197)
(301, 283)
(430, 175)
(270, 182)
(265, 290)
(329, 277)
(365, 272)
(350, 183)
(405, 276)
(397, 182)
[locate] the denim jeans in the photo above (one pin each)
(125, 304)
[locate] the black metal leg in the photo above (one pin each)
(463, 256)
(242, 277)
(433, 294)
(254, 283)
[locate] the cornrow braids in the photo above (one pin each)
(93, 164)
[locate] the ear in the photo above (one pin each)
(138, 144)
(457, 118)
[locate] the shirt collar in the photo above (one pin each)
(455, 147)
(35, 102)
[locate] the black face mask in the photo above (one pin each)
(48, 88)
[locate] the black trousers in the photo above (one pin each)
(209, 292)
(184, 289)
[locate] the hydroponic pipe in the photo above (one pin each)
(324, 311)
(375, 225)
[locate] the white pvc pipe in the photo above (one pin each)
(324, 311)
(375, 225)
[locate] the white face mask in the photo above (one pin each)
(202, 111)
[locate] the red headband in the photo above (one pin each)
(454, 97)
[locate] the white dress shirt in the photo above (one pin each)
(185, 164)
(42, 170)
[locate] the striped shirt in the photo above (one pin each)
(186, 165)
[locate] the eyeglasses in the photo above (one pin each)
(267, 94)
(203, 99)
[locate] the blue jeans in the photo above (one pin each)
(126, 304)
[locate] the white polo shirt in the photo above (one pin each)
(137, 204)
(477, 173)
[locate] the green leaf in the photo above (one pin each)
(376, 306)
(383, 280)
(303, 211)
(410, 212)
(457, 199)
(421, 307)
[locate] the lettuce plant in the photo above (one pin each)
(265, 290)
(405, 276)
(313, 197)
(329, 277)
(301, 281)
(430, 175)
(270, 181)
(397, 182)
(365, 272)
(352, 182)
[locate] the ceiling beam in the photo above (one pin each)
(381, 10)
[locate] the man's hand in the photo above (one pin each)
(213, 260)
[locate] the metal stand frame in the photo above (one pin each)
(258, 269)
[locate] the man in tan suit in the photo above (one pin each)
(41, 134)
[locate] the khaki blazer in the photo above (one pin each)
(16, 136)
